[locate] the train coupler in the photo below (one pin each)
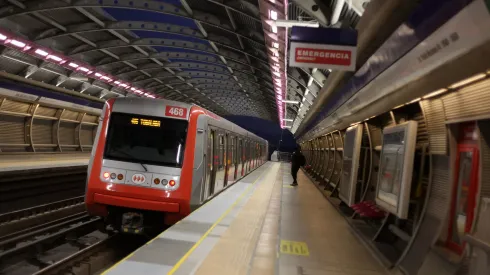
(132, 223)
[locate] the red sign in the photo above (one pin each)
(323, 56)
(175, 111)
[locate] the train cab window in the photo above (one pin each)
(146, 139)
(465, 187)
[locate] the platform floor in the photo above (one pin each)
(15, 162)
(260, 225)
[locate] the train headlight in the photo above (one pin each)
(156, 181)
(171, 183)
(113, 176)
(120, 176)
(107, 175)
(164, 182)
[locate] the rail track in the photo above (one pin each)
(19, 220)
(94, 258)
(31, 242)
(30, 188)
(59, 238)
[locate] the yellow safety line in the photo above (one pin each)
(177, 265)
(242, 195)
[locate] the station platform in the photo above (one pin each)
(259, 225)
(22, 162)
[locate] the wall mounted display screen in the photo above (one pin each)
(350, 164)
(395, 168)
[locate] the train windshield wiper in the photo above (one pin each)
(131, 156)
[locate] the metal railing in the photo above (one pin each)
(32, 127)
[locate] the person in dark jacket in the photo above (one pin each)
(297, 160)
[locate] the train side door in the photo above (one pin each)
(231, 158)
(242, 158)
(211, 163)
(226, 159)
(220, 157)
(236, 160)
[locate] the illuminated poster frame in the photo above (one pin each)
(400, 139)
(350, 164)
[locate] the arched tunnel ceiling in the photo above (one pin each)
(209, 52)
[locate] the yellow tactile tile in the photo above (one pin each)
(235, 251)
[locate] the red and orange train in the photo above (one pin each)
(154, 161)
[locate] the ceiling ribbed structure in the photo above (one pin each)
(213, 53)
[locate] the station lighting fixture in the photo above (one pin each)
(17, 43)
(310, 81)
(290, 101)
(467, 81)
(273, 14)
(41, 52)
(275, 45)
(435, 93)
(9, 40)
(287, 119)
(293, 23)
(274, 29)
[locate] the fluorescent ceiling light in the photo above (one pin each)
(467, 81)
(275, 45)
(290, 101)
(292, 23)
(435, 93)
(41, 52)
(310, 81)
(3, 37)
(54, 57)
(306, 92)
(273, 14)
(17, 43)
(274, 29)
(287, 119)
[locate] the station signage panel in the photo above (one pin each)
(323, 48)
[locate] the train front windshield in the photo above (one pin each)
(146, 139)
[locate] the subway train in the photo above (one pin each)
(154, 161)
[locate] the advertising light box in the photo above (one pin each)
(350, 164)
(395, 169)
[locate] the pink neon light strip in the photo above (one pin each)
(14, 42)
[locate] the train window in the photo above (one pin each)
(145, 139)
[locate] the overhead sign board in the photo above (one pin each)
(323, 48)
(323, 56)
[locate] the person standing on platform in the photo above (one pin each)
(297, 160)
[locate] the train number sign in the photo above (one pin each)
(175, 111)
